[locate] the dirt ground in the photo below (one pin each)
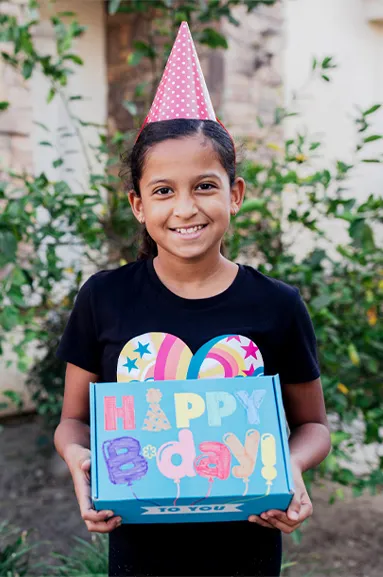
(343, 539)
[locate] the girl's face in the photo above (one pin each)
(186, 199)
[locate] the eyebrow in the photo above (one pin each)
(199, 177)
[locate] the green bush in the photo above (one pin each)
(14, 551)
(342, 284)
(86, 560)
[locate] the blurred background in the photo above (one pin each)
(299, 84)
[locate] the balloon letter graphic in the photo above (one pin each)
(269, 457)
(245, 454)
(214, 462)
(251, 404)
(112, 412)
(183, 447)
(188, 406)
(219, 404)
(123, 460)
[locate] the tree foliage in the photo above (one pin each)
(341, 283)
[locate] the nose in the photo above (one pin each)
(185, 207)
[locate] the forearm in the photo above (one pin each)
(309, 445)
(71, 433)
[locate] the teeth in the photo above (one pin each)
(189, 230)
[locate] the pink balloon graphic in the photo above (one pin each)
(183, 447)
(214, 461)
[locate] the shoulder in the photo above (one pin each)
(271, 289)
(112, 282)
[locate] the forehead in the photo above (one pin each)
(191, 155)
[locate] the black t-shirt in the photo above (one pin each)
(115, 306)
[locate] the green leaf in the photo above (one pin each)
(43, 126)
(15, 397)
(114, 6)
(372, 109)
(45, 143)
(252, 204)
(28, 66)
(362, 234)
(144, 49)
(134, 58)
(58, 162)
(325, 77)
(4, 105)
(320, 302)
(51, 95)
(130, 106)
(76, 97)
(8, 247)
(74, 58)
(372, 138)
(213, 38)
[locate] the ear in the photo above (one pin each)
(237, 194)
(136, 204)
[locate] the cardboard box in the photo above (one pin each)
(189, 450)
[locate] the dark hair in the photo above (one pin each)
(155, 132)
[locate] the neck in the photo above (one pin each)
(188, 271)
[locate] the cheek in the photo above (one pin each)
(219, 208)
(156, 213)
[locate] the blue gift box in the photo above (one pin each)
(189, 450)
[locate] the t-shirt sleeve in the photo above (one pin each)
(299, 355)
(79, 344)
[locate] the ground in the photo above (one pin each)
(343, 539)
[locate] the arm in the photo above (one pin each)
(72, 444)
(73, 429)
(309, 444)
(309, 440)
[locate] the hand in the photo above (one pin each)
(78, 461)
(300, 509)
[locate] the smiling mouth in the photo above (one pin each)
(185, 230)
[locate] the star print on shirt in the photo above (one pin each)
(251, 350)
(142, 349)
(131, 364)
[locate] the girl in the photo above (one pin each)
(184, 190)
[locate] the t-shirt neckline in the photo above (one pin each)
(201, 303)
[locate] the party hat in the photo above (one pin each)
(182, 92)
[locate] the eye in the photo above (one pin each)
(164, 191)
(206, 186)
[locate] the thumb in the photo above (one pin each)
(85, 465)
(294, 508)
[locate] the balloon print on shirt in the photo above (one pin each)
(160, 356)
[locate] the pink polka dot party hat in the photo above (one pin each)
(182, 92)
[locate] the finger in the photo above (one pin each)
(96, 516)
(256, 519)
(276, 514)
(103, 527)
(294, 508)
(85, 465)
(306, 511)
(284, 527)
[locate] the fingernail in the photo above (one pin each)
(252, 519)
(119, 521)
(293, 515)
(264, 516)
(109, 513)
